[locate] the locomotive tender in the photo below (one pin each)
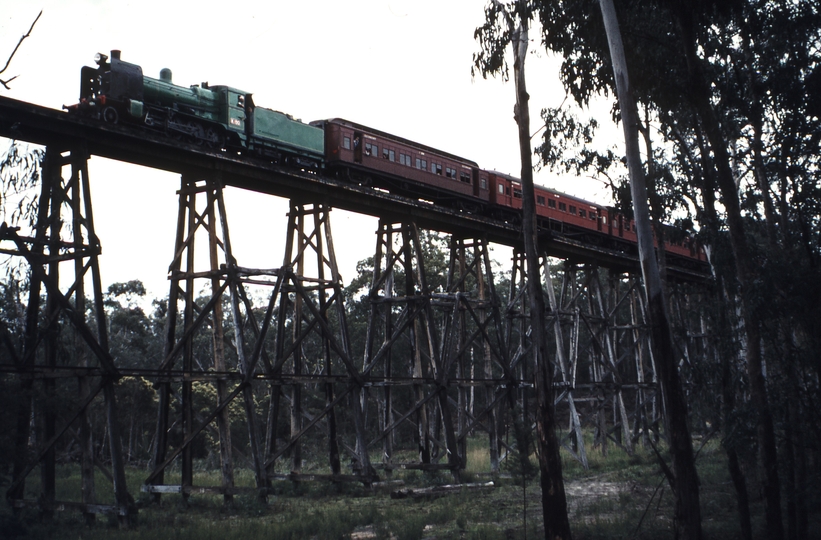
(222, 117)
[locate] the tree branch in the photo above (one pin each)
(5, 82)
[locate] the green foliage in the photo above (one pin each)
(20, 173)
(410, 528)
(566, 144)
(133, 337)
(486, 532)
(461, 522)
(496, 34)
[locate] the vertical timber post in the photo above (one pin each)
(86, 438)
(52, 174)
(47, 250)
(223, 418)
(314, 297)
(556, 311)
(212, 221)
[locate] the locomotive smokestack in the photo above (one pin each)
(115, 54)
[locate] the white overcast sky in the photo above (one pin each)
(401, 66)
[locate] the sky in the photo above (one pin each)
(401, 66)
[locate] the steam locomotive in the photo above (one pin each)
(213, 116)
(225, 118)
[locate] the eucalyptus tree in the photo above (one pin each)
(729, 86)
(684, 478)
(509, 25)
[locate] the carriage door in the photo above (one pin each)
(357, 147)
(494, 198)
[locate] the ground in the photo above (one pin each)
(620, 496)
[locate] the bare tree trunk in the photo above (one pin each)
(699, 93)
(685, 483)
(727, 408)
(554, 501)
(656, 207)
(724, 332)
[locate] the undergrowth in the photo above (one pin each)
(618, 496)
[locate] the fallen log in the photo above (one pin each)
(439, 491)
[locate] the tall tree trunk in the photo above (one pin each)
(727, 408)
(699, 93)
(554, 501)
(724, 333)
(656, 204)
(686, 483)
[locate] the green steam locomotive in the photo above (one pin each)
(218, 117)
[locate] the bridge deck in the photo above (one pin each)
(41, 125)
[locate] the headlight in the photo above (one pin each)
(100, 58)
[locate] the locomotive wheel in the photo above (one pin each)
(196, 133)
(213, 138)
(110, 115)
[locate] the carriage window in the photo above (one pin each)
(582, 212)
(551, 203)
(404, 160)
(562, 207)
(464, 177)
(626, 225)
(371, 149)
(501, 189)
(517, 192)
(346, 143)
(483, 183)
(540, 200)
(435, 168)
(572, 209)
(450, 173)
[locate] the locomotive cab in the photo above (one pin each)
(236, 110)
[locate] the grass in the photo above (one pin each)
(620, 496)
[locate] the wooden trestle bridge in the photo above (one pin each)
(436, 365)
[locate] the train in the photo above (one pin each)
(224, 118)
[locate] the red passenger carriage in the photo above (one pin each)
(366, 154)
